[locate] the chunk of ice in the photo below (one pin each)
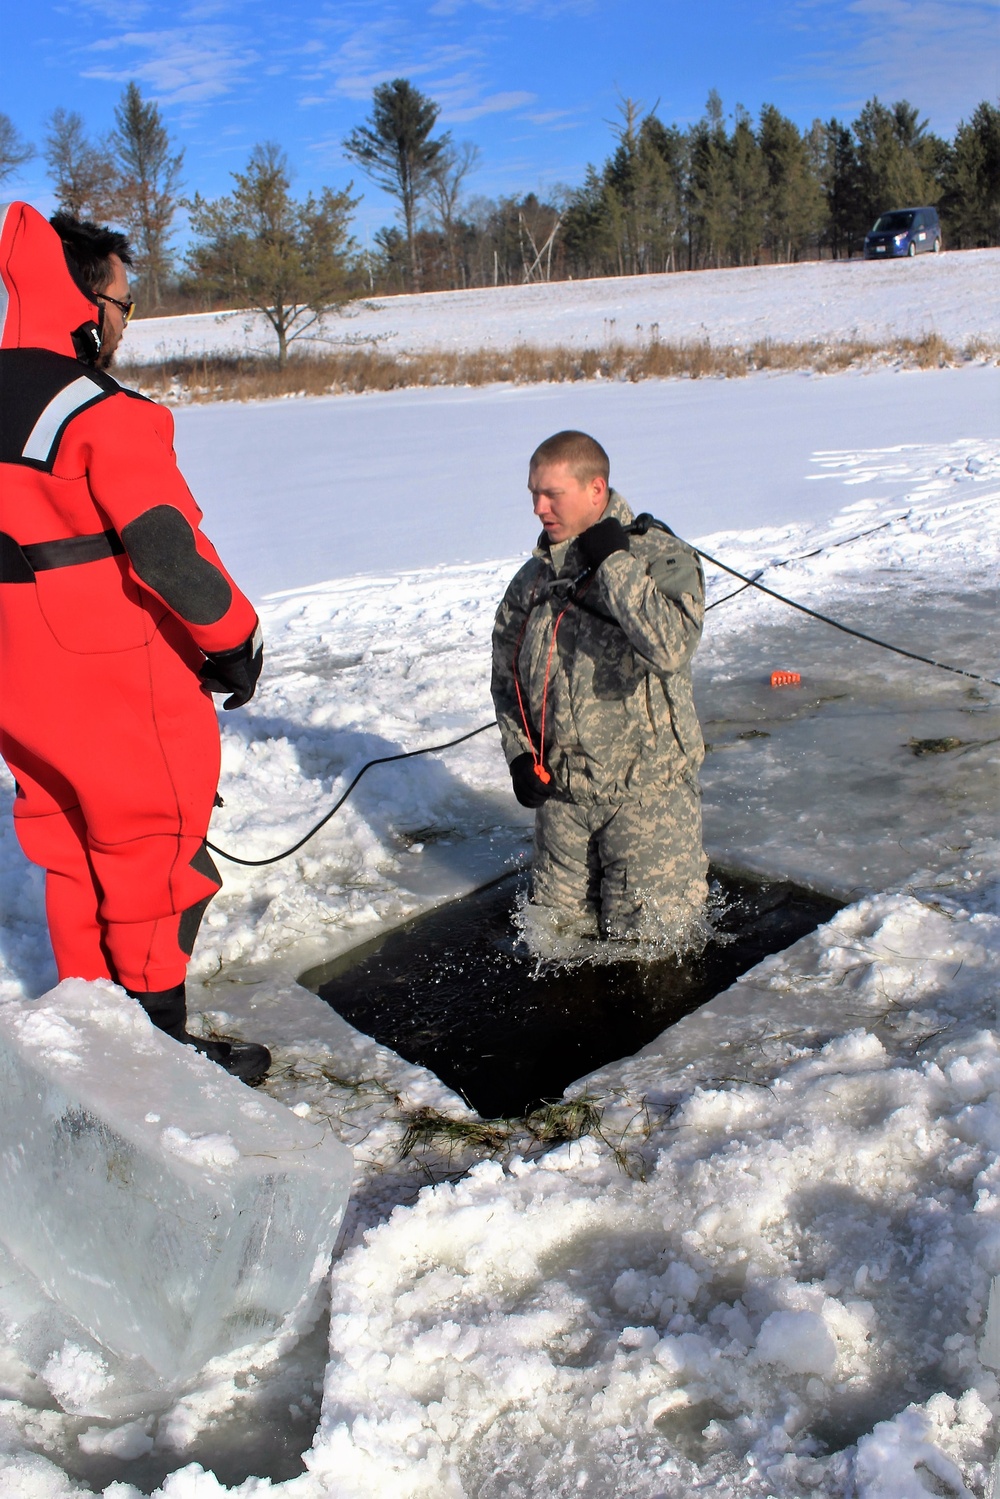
(989, 1343)
(156, 1212)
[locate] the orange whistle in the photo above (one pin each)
(542, 773)
(785, 679)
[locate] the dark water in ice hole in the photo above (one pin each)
(455, 990)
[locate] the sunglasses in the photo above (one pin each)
(125, 308)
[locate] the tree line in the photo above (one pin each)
(716, 193)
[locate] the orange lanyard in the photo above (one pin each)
(539, 758)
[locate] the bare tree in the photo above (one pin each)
(14, 150)
(84, 173)
(444, 187)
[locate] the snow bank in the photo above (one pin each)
(953, 295)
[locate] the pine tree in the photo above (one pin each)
(589, 229)
(292, 261)
(971, 202)
(664, 149)
(841, 182)
(895, 159)
(748, 175)
(395, 149)
(711, 188)
(794, 210)
(150, 178)
(641, 192)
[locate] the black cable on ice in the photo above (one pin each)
(430, 749)
(846, 629)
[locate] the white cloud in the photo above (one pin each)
(185, 65)
(556, 119)
(543, 9)
(121, 12)
(358, 57)
(942, 55)
(492, 104)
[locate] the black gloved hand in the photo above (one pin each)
(529, 788)
(235, 671)
(600, 541)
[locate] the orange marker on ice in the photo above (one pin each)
(785, 679)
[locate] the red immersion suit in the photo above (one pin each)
(110, 596)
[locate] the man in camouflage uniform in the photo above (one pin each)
(592, 686)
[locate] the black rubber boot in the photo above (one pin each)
(167, 1009)
(247, 1060)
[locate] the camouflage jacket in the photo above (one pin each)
(619, 710)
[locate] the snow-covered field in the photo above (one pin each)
(953, 295)
(784, 1292)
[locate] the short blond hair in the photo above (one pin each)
(586, 458)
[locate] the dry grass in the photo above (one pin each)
(352, 371)
(550, 1125)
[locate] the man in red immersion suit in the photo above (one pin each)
(117, 620)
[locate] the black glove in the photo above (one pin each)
(600, 541)
(529, 788)
(235, 671)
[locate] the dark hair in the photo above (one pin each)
(88, 249)
(586, 458)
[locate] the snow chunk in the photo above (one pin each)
(800, 1341)
(915, 1453)
(76, 1376)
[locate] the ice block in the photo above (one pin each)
(155, 1211)
(989, 1343)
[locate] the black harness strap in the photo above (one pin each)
(19, 563)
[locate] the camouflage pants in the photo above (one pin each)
(622, 869)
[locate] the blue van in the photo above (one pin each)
(904, 231)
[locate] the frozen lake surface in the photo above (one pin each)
(303, 491)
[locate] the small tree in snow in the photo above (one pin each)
(291, 260)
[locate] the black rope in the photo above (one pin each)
(804, 557)
(847, 630)
(646, 522)
(736, 591)
(430, 749)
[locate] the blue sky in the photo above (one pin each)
(533, 83)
